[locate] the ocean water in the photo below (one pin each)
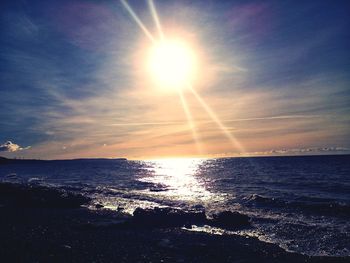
(300, 203)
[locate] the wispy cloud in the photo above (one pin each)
(183, 122)
(75, 84)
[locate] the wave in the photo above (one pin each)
(322, 206)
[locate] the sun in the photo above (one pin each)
(172, 63)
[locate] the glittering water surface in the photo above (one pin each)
(300, 203)
(178, 179)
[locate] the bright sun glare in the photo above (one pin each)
(171, 63)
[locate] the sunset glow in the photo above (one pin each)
(151, 79)
(135, 123)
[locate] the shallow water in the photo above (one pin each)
(299, 203)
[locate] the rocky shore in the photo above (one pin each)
(41, 224)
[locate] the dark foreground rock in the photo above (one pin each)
(170, 217)
(20, 195)
(167, 217)
(57, 235)
(73, 234)
(230, 220)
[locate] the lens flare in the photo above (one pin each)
(190, 122)
(216, 119)
(137, 20)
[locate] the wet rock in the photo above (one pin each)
(198, 207)
(155, 189)
(158, 188)
(167, 217)
(230, 220)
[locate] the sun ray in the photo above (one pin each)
(182, 98)
(156, 18)
(137, 20)
(190, 122)
(213, 116)
(183, 101)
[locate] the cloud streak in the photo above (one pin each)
(73, 83)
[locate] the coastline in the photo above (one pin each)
(40, 224)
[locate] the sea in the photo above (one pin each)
(301, 203)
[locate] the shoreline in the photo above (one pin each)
(41, 224)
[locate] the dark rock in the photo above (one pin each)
(230, 220)
(158, 188)
(198, 207)
(99, 206)
(22, 195)
(154, 189)
(167, 217)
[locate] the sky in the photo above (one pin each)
(272, 78)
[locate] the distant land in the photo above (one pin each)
(4, 160)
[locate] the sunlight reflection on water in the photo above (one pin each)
(178, 183)
(177, 179)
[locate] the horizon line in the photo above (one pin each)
(179, 157)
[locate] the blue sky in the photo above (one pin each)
(73, 82)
